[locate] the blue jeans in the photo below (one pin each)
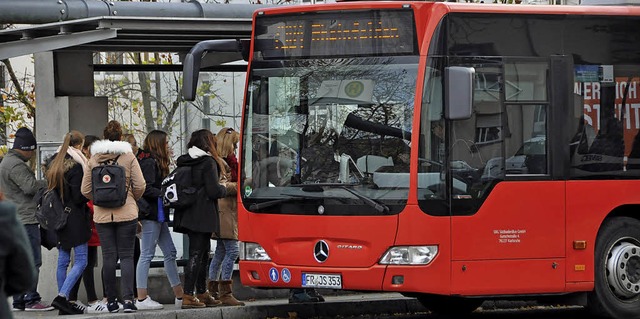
(156, 234)
(67, 281)
(223, 259)
(33, 232)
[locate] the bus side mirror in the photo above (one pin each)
(459, 92)
(192, 61)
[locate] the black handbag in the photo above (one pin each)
(48, 238)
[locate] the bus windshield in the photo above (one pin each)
(329, 133)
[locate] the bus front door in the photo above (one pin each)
(507, 218)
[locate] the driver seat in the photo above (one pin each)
(370, 163)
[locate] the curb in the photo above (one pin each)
(341, 306)
(355, 304)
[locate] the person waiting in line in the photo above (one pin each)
(154, 161)
(64, 172)
(19, 184)
(116, 226)
(221, 268)
(131, 139)
(94, 304)
(17, 269)
(200, 220)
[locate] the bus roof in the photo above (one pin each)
(458, 7)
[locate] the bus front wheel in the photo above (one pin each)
(617, 270)
(449, 305)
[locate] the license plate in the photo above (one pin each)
(321, 281)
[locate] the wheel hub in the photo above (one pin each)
(623, 270)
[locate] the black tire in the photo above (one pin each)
(617, 270)
(450, 305)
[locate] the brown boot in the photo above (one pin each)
(190, 301)
(208, 300)
(226, 295)
(212, 286)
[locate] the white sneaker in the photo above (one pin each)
(148, 304)
(178, 303)
(97, 307)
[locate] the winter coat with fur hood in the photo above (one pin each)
(105, 150)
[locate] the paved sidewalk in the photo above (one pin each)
(334, 306)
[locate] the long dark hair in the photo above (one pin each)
(156, 144)
(55, 170)
(206, 141)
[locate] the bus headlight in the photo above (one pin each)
(253, 251)
(409, 255)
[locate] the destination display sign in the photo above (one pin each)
(335, 34)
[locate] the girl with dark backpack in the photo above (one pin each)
(116, 226)
(64, 173)
(154, 161)
(200, 219)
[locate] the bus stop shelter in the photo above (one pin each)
(64, 66)
(64, 40)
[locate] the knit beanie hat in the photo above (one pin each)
(24, 140)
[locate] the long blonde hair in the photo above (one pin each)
(55, 170)
(227, 141)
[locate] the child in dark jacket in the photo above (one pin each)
(200, 219)
(154, 161)
(64, 174)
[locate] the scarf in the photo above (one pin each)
(77, 156)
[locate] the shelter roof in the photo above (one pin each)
(111, 33)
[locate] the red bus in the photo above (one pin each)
(451, 152)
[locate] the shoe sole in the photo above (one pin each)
(40, 310)
(193, 307)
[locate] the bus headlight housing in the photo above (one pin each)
(409, 255)
(253, 251)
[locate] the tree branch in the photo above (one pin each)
(22, 96)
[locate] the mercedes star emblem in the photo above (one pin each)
(321, 251)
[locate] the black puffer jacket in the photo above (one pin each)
(153, 177)
(78, 229)
(202, 216)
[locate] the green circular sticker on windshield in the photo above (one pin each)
(247, 191)
(354, 88)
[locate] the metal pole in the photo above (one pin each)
(46, 11)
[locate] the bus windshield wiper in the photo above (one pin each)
(317, 187)
(379, 207)
(260, 206)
